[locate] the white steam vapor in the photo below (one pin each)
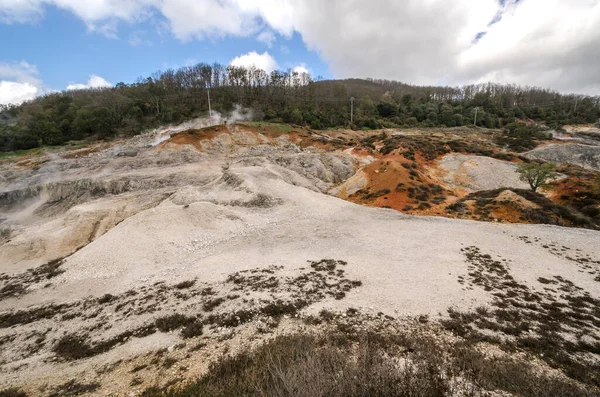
(239, 113)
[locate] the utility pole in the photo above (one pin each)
(475, 122)
(208, 93)
(351, 110)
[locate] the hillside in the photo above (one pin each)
(136, 265)
(286, 97)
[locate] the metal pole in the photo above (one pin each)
(209, 109)
(475, 122)
(351, 110)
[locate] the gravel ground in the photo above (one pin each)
(583, 155)
(474, 173)
(184, 216)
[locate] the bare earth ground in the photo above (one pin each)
(232, 233)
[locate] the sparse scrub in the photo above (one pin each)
(74, 347)
(532, 321)
(15, 285)
(185, 284)
(5, 233)
(346, 363)
(261, 200)
(13, 392)
(73, 388)
(173, 322)
(192, 330)
(210, 304)
(548, 212)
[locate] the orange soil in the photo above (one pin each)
(388, 173)
(30, 163)
(195, 137)
(568, 186)
(507, 213)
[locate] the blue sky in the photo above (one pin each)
(66, 51)
(48, 45)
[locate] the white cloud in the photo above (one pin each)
(540, 42)
(301, 69)
(16, 93)
(414, 41)
(93, 82)
(267, 37)
(262, 61)
(19, 11)
(207, 18)
(537, 42)
(19, 82)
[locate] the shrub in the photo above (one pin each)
(343, 363)
(537, 174)
(172, 322)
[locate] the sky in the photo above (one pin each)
(53, 45)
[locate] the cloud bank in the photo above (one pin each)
(19, 82)
(262, 61)
(93, 82)
(549, 43)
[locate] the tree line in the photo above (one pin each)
(173, 96)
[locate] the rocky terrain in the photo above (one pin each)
(129, 267)
(586, 156)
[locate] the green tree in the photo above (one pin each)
(387, 109)
(51, 134)
(296, 116)
(447, 115)
(432, 117)
(537, 174)
(83, 125)
(459, 120)
(367, 107)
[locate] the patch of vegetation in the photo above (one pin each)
(16, 285)
(271, 127)
(340, 363)
(106, 298)
(74, 347)
(78, 346)
(379, 193)
(581, 191)
(5, 233)
(520, 137)
(554, 325)
(73, 388)
(210, 304)
(325, 279)
(255, 280)
(173, 322)
(185, 284)
(192, 330)
(286, 297)
(9, 319)
(428, 147)
(549, 212)
(261, 200)
(13, 392)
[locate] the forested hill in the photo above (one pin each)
(174, 96)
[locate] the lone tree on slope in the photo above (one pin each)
(536, 174)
